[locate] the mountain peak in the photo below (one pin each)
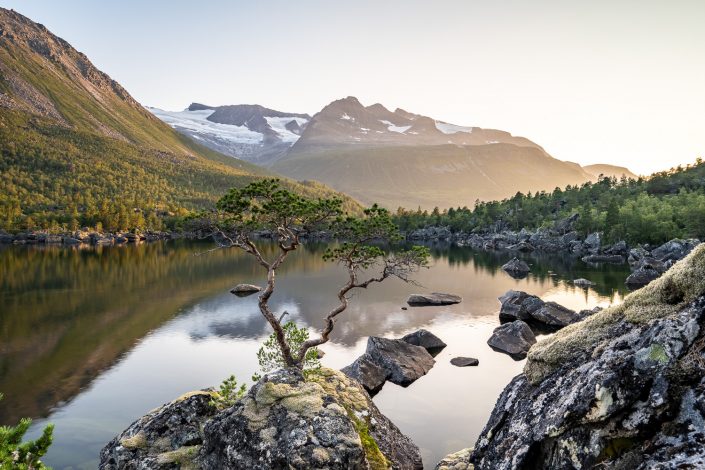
(198, 107)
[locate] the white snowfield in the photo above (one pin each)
(196, 122)
(447, 128)
(392, 128)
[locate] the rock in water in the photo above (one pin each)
(242, 290)
(513, 338)
(625, 388)
(285, 422)
(517, 268)
(168, 436)
(518, 305)
(366, 371)
(642, 276)
(435, 298)
(403, 362)
(581, 282)
(464, 361)
(555, 315)
(427, 340)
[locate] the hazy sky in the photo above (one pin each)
(619, 82)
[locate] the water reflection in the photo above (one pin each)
(93, 338)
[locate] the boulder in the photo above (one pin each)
(581, 282)
(555, 315)
(515, 339)
(71, 241)
(524, 247)
(625, 388)
(367, 372)
(169, 435)
(614, 259)
(435, 298)
(242, 290)
(289, 423)
(403, 363)
(456, 461)
(516, 268)
(642, 276)
(518, 305)
(427, 340)
(464, 361)
(6, 237)
(565, 225)
(674, 250)
(593, 242)
(619, 248)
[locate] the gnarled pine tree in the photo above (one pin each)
(264, 206)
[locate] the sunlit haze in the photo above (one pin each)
(601, 81)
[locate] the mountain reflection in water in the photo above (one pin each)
(91, 339)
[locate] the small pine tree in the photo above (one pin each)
(15, 454)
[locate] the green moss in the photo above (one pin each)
(375, 458)
(658, 353)
(661, 298)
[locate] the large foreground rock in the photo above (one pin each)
(435, 298)
(518, 305)
(555, 315)
(284, 422)
(515, 339)
(625, 388)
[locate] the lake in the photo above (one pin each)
(92, 338)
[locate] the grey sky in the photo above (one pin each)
(619, 82)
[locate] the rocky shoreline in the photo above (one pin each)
(623, 388)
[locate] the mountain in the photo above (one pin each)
(250, 132)
(609, 170)
(77, 149)
(403, 159)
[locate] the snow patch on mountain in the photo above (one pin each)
(392, 128)
(196, 122)
(447, 128)
(278, 124)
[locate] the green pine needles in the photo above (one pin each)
(18, 455)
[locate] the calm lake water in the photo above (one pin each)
(91, 339)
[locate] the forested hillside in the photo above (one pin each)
(646, 210)
(77, 150)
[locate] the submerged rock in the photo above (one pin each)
(284, 422)
(515, 339)
(614, 259)
(435, 298)
(464, 361)
(625, 388)
(242, 290)
(516, 268)
(427, 340)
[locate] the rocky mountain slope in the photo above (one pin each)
(70, 137)
(251, 132)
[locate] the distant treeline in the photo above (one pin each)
(666, 205)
